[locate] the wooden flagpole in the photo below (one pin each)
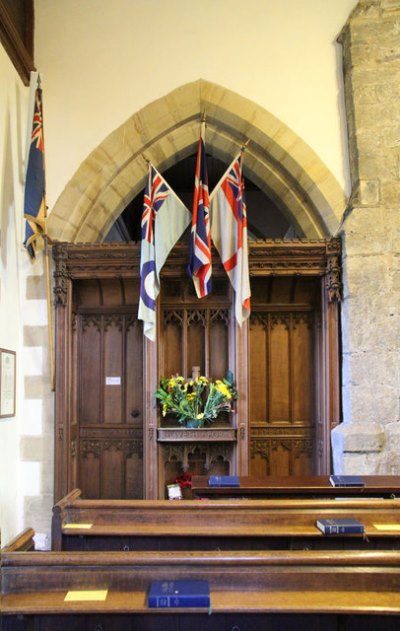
(49, 307)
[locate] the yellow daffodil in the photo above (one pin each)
(223, 389)
(198, 398)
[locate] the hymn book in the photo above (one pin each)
(346, 480)
(340, 526)
(223, 480)
(168, 594)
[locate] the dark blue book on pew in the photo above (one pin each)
(223, 480)
(191, 593)
(341, 526)
(346, 480)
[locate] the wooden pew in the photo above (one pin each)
(294, 590)
(80, 524)
(21, 543)
(317, 486)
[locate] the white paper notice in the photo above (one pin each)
(113, 381)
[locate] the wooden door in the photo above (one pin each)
(108, 384)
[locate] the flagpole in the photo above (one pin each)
(241, 151)
(49, 306)
(216, 187)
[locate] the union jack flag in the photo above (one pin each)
(229, 234)
(35, 197)
(155, 193)
(200, 244)
(164, 219)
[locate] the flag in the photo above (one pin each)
(200, 243)
(229, 234)
(35, 196)
(164, 219)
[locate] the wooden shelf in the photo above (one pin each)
(201, 434)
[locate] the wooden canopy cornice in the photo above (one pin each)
(16, 34)
(269, 257)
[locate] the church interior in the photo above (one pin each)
(299, 101)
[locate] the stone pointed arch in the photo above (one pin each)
(166, 131)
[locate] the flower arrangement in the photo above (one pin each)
(184, 481)
(196, 401)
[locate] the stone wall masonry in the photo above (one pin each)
(37, 438)
(368, 441)
(166, 131)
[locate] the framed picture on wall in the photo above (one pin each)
(7, 382)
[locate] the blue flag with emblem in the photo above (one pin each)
(35, 195)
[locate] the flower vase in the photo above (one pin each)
(193, 423)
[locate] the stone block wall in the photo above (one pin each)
(37, 432)
(369, 439)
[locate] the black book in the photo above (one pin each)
(190, 593)
(342, 526)
(346, 480)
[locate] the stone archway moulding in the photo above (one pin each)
(166, 131)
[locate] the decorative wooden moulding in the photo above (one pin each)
(201, 434)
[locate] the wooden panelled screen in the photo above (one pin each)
(111, 440)
(107, 375)
(194, 332)
(285, 325)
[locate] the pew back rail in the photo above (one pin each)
(163, 524)
(246, 582)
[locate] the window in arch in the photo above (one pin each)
(265, 219)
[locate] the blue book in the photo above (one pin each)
(191, 593)
(346, 480)
(223, 480)
(341, 526)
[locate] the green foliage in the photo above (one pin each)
(198, 398)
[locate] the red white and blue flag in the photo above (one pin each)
(200, 243)
(35, 196)
(229, 234)
(164, 219)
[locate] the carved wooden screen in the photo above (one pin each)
(194, 332)
(109, 438)
(108, 368)
(282, 386)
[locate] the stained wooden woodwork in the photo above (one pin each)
(253, 589)
(23, 542)
(109, 437)
(284, 335)
(195, 333)
(107, 376)
(16, 34)
(379, 486)
(230, 524)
